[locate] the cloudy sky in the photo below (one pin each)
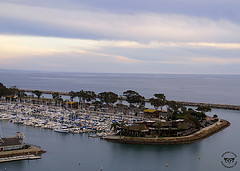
(127, 36)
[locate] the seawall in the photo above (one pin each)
(197, 136)
(211, 105)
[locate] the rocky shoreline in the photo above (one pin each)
(197, 136)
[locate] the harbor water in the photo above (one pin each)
(80, 152)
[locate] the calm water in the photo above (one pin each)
(65, 151)
(223, 89)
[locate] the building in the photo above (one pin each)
(153, 113)
(158, 128)
(72, 104)
(12, 143)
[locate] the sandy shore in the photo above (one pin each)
(197, 136)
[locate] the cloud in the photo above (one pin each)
(101, 24)
(19, 47)
(125, 52)
(215, 61)
(83, 39)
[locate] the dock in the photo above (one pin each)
(17, 158)
(31, 153)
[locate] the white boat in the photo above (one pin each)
(62, 129)
(6, 117)
(75, 130)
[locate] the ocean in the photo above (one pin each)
(221, 89)
(65, 151)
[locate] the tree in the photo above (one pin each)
(90, 95)
(16, 92)
(204, 108)
(55, 96)
(72, 95)
(4, 91)
(130, 96)
(133, 97)
(37, 93)
(20, 94)
(159, 126)
(115, 126)
(155, 102)
(80, 95)
(158, 101)
(174, 106)
(108, 97)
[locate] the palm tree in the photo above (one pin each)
(159, 126)
(115, 126)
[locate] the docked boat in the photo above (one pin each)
(6, 117)
(62, 129)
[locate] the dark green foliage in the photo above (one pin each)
(133, 97)
(72, 95)
(4, 91)
(55, 96)
(85, 95)
(174, 107)
(108, 97)
(204, 108)
(90, 95)
(158, 101)
(37, 93)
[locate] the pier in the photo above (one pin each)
(211, 105)
(17, 158)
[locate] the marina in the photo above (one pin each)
(62, 120)
(94, 153)
(104, 125)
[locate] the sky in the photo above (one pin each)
(127, 36)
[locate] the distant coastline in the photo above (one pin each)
(195, 137)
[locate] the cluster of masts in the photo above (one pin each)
(65, 120)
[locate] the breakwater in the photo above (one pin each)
(46, 92)
(197, 136)
(211, 105)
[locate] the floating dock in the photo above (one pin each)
(17, 158)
